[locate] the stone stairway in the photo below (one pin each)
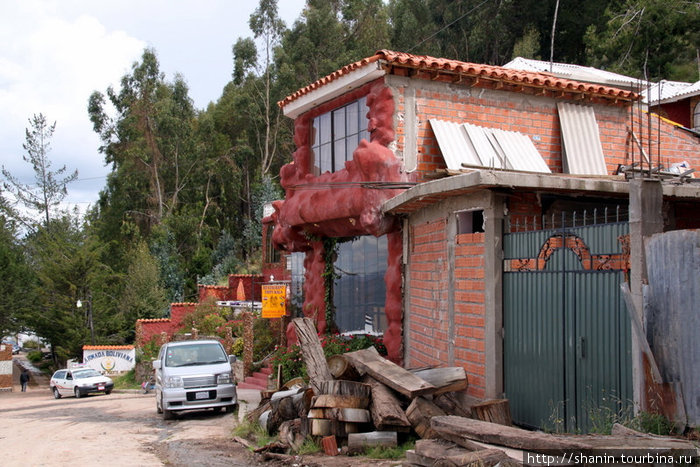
(257, 380)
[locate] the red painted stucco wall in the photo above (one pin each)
(337, 205)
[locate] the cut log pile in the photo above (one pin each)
(360, 399)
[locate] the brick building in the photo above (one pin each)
(479, 216)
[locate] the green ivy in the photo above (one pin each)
(330, 254)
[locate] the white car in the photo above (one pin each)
(79, 382)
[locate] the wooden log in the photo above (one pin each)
(414, 460)
(330, 400)
(368, 361)
(385, 408)
(342, 414)
(419, 414)
(448, 454)
(290, 433)
(460, 430)
(326, 427)
(341, 368)
(312, 352)
(494, 411)
(358, 442)
(446, 379)
(456, 403)
(345, 388)
(254, 414)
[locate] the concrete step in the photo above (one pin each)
(245, 385)
(267, 370)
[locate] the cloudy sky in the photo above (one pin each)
(55, 53)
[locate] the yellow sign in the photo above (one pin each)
(274, 300)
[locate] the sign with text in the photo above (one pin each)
(274, 300)
(110, 359)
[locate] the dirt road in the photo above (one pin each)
(121, 429)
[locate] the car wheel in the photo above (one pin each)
(77, 393)
(217, 409)
(167, 414)
(231, 408)
(108, 392)
(56, 394)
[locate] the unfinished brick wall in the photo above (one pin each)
(538, 118)
(428, 294)
(469, 309)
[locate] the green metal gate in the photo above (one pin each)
(567, 357)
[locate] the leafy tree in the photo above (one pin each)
(62, 265)
(16, 279)
(143, 296)
(651, 39)
(150, 140)
(50, 187)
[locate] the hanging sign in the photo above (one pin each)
(274, 300)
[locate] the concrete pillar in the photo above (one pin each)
(645, 219)
(493, 280)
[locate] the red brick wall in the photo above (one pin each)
(538, 118)
(217, 292)
(251, 284)
(469, 289)
(428, 292)
(154, 327)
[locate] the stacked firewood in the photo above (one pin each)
(362, 399)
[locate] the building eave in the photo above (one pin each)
(432, 192)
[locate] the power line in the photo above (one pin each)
(445, 27)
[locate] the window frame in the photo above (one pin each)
(336, 134)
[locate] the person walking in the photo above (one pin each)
(24, 379)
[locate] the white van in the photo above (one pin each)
(194, 375)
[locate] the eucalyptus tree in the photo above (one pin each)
(50, 187)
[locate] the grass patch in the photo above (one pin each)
(253, 432)
(126, 381)
(383, 452)
(310, 446)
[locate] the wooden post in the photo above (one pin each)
(248, 337)
(312, 352)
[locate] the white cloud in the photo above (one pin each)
(51, 64)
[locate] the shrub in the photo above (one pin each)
(35, 356)
(293, 364)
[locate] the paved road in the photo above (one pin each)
(121, 429)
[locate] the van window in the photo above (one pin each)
(195, 354)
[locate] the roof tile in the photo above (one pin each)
(425, 62)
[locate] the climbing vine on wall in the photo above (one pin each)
(330, 254)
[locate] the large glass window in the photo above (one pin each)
(336, 134)
(359, 293)
(696, 117)
(296, 269)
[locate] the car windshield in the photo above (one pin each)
(87, 373)
(195, 354)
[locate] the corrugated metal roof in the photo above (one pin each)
(670, 91)
(576, 72)
(583, 152)
(465, 144)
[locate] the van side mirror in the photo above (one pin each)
(232, 359)
(156, 364)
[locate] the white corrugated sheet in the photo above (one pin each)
(464, 144)
(583, 152)
(454, 144)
